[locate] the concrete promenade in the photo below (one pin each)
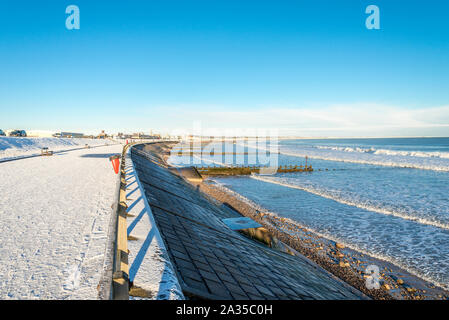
(55, 214)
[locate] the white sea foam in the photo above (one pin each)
(421, 154)
(328, 195)
(436, 161)
(396, 215)
(421, 273)
(380, 161)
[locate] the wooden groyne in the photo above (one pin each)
(248, 170)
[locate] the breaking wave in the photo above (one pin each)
(393, 161)
(353, 203)
(421, 154)
(377, 255)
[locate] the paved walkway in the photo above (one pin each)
(55, 214)
(214, 262)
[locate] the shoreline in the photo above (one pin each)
(216, 262)
(345, 263)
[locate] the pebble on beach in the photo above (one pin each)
(340, 245)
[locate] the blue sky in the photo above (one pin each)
(307, 67)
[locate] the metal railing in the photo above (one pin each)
(120, 276)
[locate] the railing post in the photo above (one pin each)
(120, 277)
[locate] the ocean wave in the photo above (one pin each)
(347, 149)
(421, 273)
(386, 162)
(369, 207)
(379, 157)
(421, 154)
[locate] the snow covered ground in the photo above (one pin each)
(150, 266)
(12, 147)
(55, 213)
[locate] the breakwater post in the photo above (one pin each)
(248, 170)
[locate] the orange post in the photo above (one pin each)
(115, 163)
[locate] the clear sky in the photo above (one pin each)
(309, 68)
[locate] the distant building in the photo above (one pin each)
(102, 135)
(68, 135)
(141, 135)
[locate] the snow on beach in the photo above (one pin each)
(150, 266)
(55, 214)
(12, 147)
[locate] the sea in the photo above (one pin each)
(385, 197)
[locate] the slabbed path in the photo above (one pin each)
(214, 262)
(55, 214)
